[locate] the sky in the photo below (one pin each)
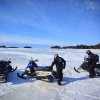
(50, 22)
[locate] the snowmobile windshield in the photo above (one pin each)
(32, 64)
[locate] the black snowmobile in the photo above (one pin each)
(5, 69)
(44, 73)
(84, 66)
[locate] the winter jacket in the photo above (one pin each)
(91, 61)
(59, 62)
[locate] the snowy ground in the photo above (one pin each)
(75, 86)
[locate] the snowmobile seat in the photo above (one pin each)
(42, 68)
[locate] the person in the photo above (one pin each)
(91, 63)
(60, 65)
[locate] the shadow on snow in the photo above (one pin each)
(13, 78)
(68, 80)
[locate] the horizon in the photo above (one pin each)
(38, 46)
(49, 22)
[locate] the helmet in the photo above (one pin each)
(88, 52)
(56, 56)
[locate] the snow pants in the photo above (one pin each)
(59, 76)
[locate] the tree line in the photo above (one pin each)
(97, 46)
(3, 46)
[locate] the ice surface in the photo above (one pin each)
(75, 86)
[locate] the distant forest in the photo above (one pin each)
(97, 46)
(3, 46)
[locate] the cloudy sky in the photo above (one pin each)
(50, 22)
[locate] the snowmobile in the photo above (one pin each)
(5, 69)
(44, 73)
(84, 66)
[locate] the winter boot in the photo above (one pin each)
(59, 82)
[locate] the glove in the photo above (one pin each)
(63, 67)
(50, 68)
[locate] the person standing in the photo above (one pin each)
(91, 63)
(60, 65)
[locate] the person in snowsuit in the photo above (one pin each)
(91, 63)
(60, 65)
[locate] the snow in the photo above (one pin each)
(75, 86)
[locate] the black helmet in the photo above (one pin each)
(56, 56)
(88, 52)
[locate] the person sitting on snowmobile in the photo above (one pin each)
(60, 65)
(91, 63)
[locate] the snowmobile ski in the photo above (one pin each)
(76, 70)
(20, 76)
